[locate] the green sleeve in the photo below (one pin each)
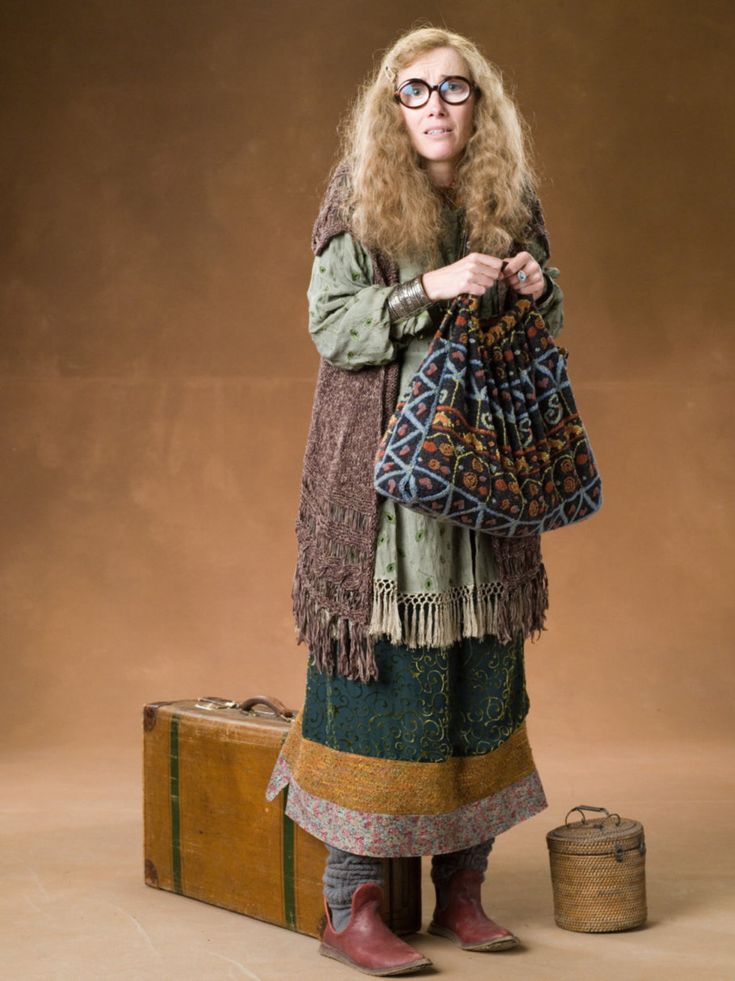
(551, 306)
(348, 314)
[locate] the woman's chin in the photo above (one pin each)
(439, 153)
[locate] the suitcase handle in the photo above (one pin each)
(588, 807)
(277, 708)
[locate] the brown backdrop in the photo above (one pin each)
(163, 163)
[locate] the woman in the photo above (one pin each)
(412, 737)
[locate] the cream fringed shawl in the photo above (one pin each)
(337, 522)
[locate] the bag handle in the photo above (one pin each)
(469, 300)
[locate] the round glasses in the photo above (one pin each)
(415, 92)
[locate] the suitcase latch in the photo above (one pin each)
(215, 703)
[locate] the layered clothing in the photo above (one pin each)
(339, 509)
(412, 739)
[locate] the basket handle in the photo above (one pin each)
(589, 807)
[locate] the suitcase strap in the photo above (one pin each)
(289, 885)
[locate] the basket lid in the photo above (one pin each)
(597, 836)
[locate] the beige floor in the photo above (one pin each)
(73, 904)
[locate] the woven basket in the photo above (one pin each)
(598, 872)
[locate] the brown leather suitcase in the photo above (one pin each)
(210, 833)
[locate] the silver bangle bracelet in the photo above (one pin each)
(408, 298)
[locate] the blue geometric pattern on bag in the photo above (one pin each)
(489, 435)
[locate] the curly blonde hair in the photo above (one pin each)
(390, 202)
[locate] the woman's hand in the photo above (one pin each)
(534, 283)
(473, 274)
(478, 272)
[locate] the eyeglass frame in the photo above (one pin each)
(474, 90)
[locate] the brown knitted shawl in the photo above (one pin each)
(337, 523)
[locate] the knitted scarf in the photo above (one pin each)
(338, 514)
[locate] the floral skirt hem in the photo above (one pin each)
(392, 835)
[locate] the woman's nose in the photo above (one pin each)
(435, 103)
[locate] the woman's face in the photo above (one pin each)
(438, 131)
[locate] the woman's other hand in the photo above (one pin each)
(534, 283)
(474, 274)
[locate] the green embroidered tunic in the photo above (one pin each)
(434, 582)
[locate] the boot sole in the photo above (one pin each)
(502, 943)
(409, 968)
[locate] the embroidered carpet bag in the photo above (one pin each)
(488, 435)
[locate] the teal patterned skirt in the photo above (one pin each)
(431, 757)
(427, 705)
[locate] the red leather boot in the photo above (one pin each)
(367, 943)
(463, 919)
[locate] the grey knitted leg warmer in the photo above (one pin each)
(444, 866)
(343, 873)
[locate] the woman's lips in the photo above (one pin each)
(438, 136)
